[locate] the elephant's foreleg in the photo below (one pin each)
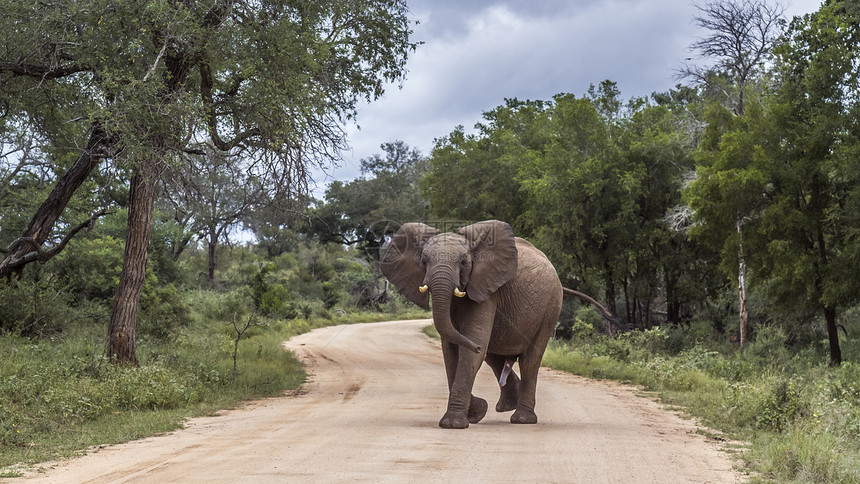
(477, 406)
(475, 323)
(510, 393)
(451, 354)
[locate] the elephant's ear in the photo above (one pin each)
(401, 262)
(494, 257)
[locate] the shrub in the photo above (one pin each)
(34, 304)
(331, 294)
(162, 310)
(778, 404)
(274, 300)
(91, 267)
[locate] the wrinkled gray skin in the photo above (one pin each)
(512, 303)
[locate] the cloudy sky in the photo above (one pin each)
(476, 53)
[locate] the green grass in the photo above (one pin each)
(800, 416)
(60, 395)
(430, 331)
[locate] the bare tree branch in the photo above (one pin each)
(741, 38)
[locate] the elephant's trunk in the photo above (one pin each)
(441, 293)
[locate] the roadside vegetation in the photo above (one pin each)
(799, 416)
(61, 394)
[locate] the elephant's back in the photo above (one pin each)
(535, 270)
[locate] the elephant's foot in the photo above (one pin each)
(509, 398)
(477, 409)
(454, 421)
(524, 416)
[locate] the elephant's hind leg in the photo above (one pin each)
(529, 367)
(510, 393)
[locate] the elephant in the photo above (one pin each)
(496, 298)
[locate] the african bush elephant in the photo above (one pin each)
(496, 298)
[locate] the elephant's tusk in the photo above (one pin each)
(458, 292)
(423, 288)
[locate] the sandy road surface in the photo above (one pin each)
(369, 413)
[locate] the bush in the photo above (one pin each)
(162, 311)
(275, 301)
(91, 267)
(34, 303)
(331, 294)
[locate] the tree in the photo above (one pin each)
(812, 141)
(28, 247)
(661, 263)
(577, 209)
(271, 80)
(364, 211)
(589, 180)
(212, 193)
(474, 177)
(727, 195)
(741, 38)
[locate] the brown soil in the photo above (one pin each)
(369, 413)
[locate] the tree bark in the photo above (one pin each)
(833, 336)
(742, 287)
(213, 246)
(42, 223)
(122, 331)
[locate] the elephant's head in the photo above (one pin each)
(472, 263)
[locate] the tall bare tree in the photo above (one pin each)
(737, 49)
(739, 45)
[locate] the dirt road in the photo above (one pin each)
(369, 413)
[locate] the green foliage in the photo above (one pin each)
(91, 266)
(331, 294)
(33, 304)
(364, 211)
(162, 310)
(276, 301)
(474, 177)
(589, 181)
(362, 286)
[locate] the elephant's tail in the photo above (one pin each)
(613, 323)
(587, 298)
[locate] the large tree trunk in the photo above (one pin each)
(98, 146)
(213, 247)
(122, 331)
(833, 336)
